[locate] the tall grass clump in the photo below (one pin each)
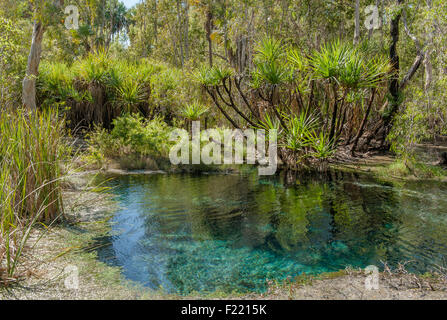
(31, 155)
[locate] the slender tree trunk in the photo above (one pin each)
(155, 14)
(393, 87)
(32, 69)
(363, 124)
(428, 71)
(103, 20)
(112, 24)
(428, 80)
(180, 33)
(187, 49)
(208, 29)
(334, 114)
(357, 22)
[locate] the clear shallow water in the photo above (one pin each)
(203, 233)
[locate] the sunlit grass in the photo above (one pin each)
(31, 151)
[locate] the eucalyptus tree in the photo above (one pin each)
(421, 113)
(167, 30)
(357, 22)
(44, 13)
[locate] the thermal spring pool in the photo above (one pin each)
(201, 233)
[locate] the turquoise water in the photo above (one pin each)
(202, 233)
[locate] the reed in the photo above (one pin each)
(31, 166)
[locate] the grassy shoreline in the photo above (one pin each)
(387, 167)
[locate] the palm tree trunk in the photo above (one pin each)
(363, 124)
(334, 114)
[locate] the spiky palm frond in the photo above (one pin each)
(269, 50)
(270, 64)
(350, 67)
(297, 61)
(205, 76)
(193, 111)
(326, 62)
(270, 123)
(129, 94)
(359, 71)
(300, 128)
(221, 73)
(377, 71)
(56, 78)
(93, 69)
(144, 72)
(273, 73)
(323, 147)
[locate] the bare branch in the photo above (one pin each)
(419, 58)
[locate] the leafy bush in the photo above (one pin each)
(132, 135)
(12, 61)
(422, 117)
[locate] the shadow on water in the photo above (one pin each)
(203, 233)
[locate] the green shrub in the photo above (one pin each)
(132, 135)
(12, 61)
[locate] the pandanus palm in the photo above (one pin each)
(287, 85)
(129, 95)
(193, 112)
(269, 62)
(347, 69)
(270, 73)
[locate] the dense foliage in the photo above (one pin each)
(126, 76)
(99, 88)
(130, 141)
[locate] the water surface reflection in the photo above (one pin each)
(190, 233)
